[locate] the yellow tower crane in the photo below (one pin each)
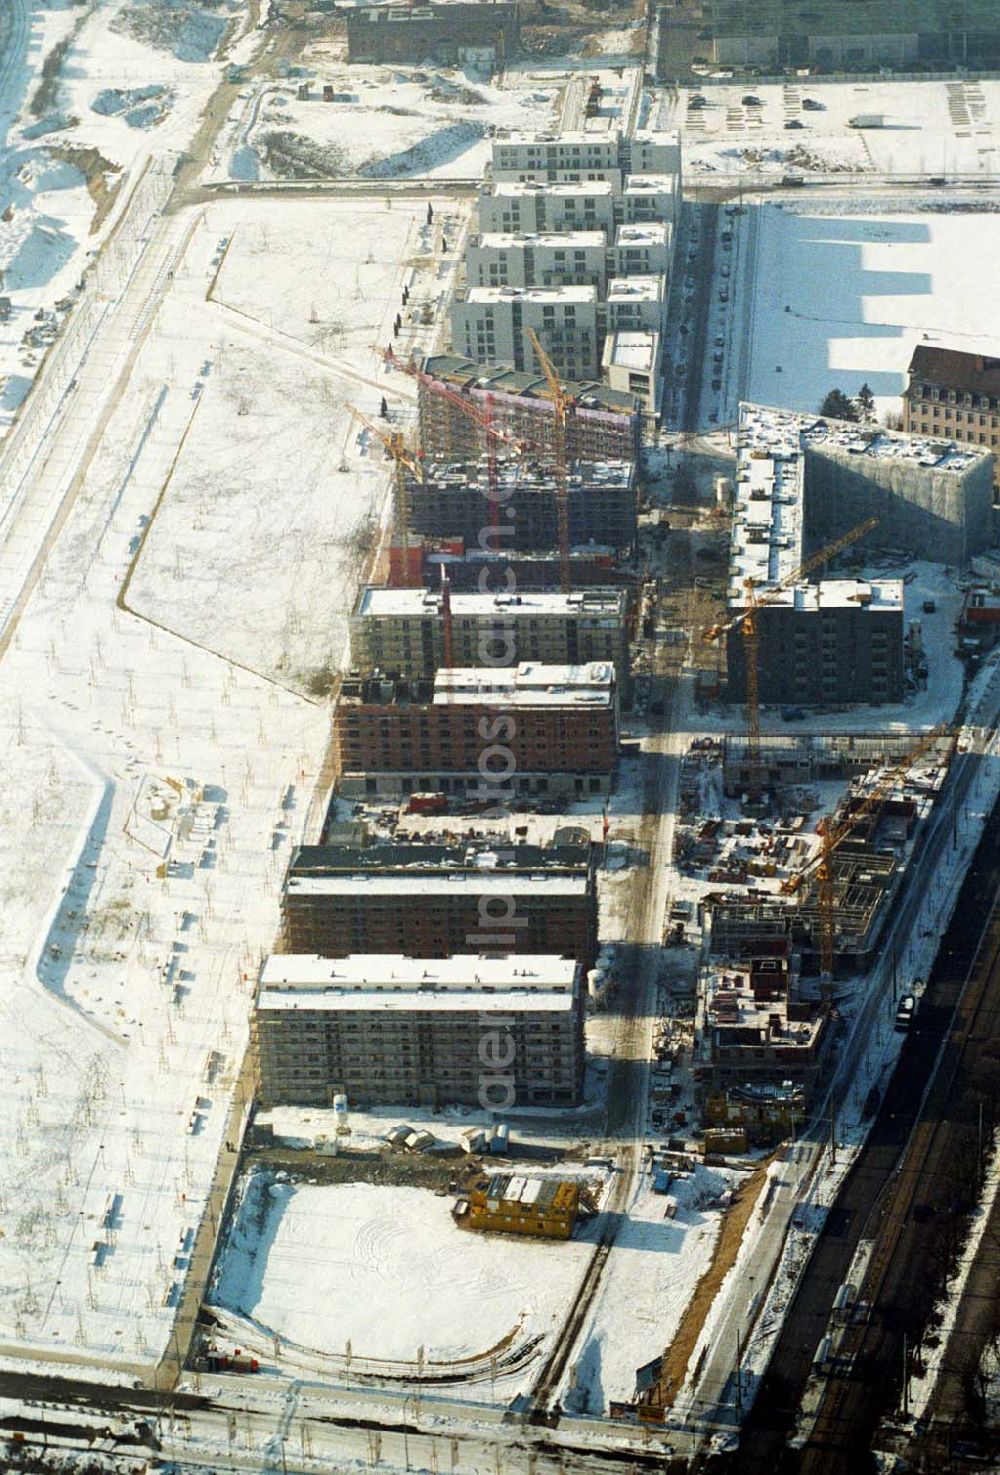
(746, 620)
(563, 403)
(403, 458)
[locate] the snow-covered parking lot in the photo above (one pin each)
(928, 127)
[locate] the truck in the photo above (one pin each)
(867, 120)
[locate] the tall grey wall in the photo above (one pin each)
(925, 511)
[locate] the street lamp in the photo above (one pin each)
(406, 1436)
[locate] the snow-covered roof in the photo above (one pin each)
(516, 188)
(507, 240)
(308, 973)
(533, 603)
(474, 883)
(632, 349)
(532, 294)
(528, 684)
(640, 288)
(649, 184)
(643, 233)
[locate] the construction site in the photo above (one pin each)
(477, 835)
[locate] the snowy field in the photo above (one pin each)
(382, 122)
(930, 128)
(288, 299)
(843, 300)
(118, 101)
(649, 1280)
(157, 774)
(373, 1273)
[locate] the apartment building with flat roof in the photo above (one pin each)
(399, 1029)
(495, 323)
(532, 207)
(453, 501)
(558, 725)
(433, 900)
(403, 631)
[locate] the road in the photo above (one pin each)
(629, 1072)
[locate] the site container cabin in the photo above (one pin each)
(904, 1014)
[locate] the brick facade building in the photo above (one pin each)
(558, 724)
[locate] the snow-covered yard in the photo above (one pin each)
(841, 300)
(650, 1277)
(388, 1271)
(288, 300)
(156, 774)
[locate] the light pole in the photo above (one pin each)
(406, 1436)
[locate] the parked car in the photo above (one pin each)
(795, 123)
(750, 100)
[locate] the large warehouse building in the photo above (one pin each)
(858, 36)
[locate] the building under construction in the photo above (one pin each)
(454, 500)
(509, 1203)
(757, 1044)
(786, 761)
(604, 425)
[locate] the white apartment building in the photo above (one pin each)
(490, 325)
(579, 258)
(634, 303)
(654, 151)
(631, 362)
(641, 250)
(537, 209)
(572, 157)
(496, 259)
(650, 197)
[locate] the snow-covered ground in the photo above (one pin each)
(656, 1263)
(931, 127)
(842, 300)
(156, 773)
(381, 122)
(288, 299)
(371, 1273)
(64, 162)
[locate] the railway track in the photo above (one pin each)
(918, 1191)
(840, 1439)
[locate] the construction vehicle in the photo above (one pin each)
(563, 404)
(746, 620)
